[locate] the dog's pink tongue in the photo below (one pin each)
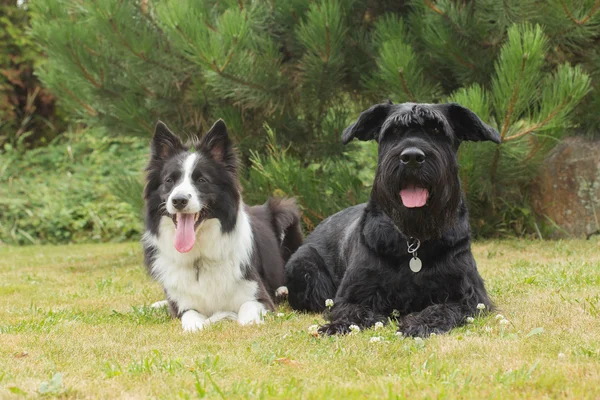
(413, 196)
(185, 237)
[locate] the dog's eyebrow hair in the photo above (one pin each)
(416, 115)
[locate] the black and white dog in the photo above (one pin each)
(407, 252)
(215, 257)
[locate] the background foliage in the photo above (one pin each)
(307, 68)
(62, 192)
(27, 109)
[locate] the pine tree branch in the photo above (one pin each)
(585, 19)
(463, 62)
(305, 208)
(533, 151)
(146, 125)
(209, 26)
(324, 69)
(87, 107)
(538, 125)
(405, 88)
(434, 8)
(493, 173)
(213, 65)
(513, 99)
(167, 47)
(234, 78)
(455, 26)
(321, 97)
(327, 42)
(230, 55)
(85, 73)
(140, 55)
(458, 30)
(92, 51)
(146, 89)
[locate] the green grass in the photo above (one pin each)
(74, 323)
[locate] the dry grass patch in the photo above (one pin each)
(73, 324)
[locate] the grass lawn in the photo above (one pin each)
(73, 324)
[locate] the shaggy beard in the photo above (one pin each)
(424, 223)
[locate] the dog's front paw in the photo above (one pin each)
(417, 330)
(251, 312)
(192, 321)
(160, 304)
(281, 292)
(336, 328)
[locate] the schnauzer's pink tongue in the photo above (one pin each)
(185, 237)
(413, 196)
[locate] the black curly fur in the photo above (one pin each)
(359, 256)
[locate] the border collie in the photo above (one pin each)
(215, 257)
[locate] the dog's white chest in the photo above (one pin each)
(207, 288)
(209, 278)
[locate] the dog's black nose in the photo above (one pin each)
(412, 156)
(179, 202)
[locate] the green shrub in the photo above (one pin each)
(87, 186)
(28, 111)
(321, 187)
(61, 193)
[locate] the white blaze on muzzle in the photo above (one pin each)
(185, 219)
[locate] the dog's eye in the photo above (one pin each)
(201, 180)
(436, 130)
(169, 180)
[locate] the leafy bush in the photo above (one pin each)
(87, 186)
(125, 64)
(321, 188)
(27, 109)
(61, 193)
(308, 67)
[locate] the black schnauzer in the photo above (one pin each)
(407, 252)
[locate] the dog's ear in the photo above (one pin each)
(368, 124)
(164, 142)
(217, 144)
(467, 125)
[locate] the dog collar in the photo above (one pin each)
(415, 263)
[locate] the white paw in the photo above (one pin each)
(192, 321)
(219, 316)
(282, 291)
(251, 312)
(160, 304)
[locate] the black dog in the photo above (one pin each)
(365, 257)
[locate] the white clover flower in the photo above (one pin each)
(375, 339)
(354, 328)
(313, 330)
(395, 313)
(562, 355)
(499, 316)
(481, 306)
(378, 325)
(488, 329)
(470, 320)
(400, 334)
(280, 314)
(503, 322)
(433, 334)
(329, 303)
(419, 342)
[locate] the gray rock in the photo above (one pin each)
(567, 190)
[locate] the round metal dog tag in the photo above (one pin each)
(415, 264)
